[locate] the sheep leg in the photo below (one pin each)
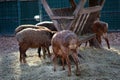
(106, 39)
(62, 58)
(86, 44)
(63, 63)
(65, 54)
(22, 54)
(25, 55)
(39, 50)
(48, 51)
(55, 50)
(68, 63)
(99, 39)
(24, 60)
(54, 61)
(44, 52)
(75, 58)
(91, 43)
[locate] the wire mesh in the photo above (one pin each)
(17, 12)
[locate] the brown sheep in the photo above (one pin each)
(49, 25)
(63, 43)
(101, 29)
(21, 27)
(33, 38)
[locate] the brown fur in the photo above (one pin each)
(33, 38)
(101, 29)
(21, 27)
(49, 25)
(63, 43)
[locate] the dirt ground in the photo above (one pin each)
(99, 64)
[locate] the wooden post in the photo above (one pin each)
(48, 10)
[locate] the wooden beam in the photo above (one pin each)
(50, 13)
(79, 7)
(80, 28)
(86, 37)
(77, 23)
(62, 17)
(91, 9)
(47, 8)
(101, 3)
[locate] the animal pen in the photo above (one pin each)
(76, 18)
(17, 12)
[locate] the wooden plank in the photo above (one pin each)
(76, 23)
(83, 25)
(50, 13)
(47, 8)
(77, 18)
(82, 22)
(86, 37)
(79, 7)
(62, 17)
(63, 11)
(102, 3)
(90, 9)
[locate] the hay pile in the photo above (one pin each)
(99, 64)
